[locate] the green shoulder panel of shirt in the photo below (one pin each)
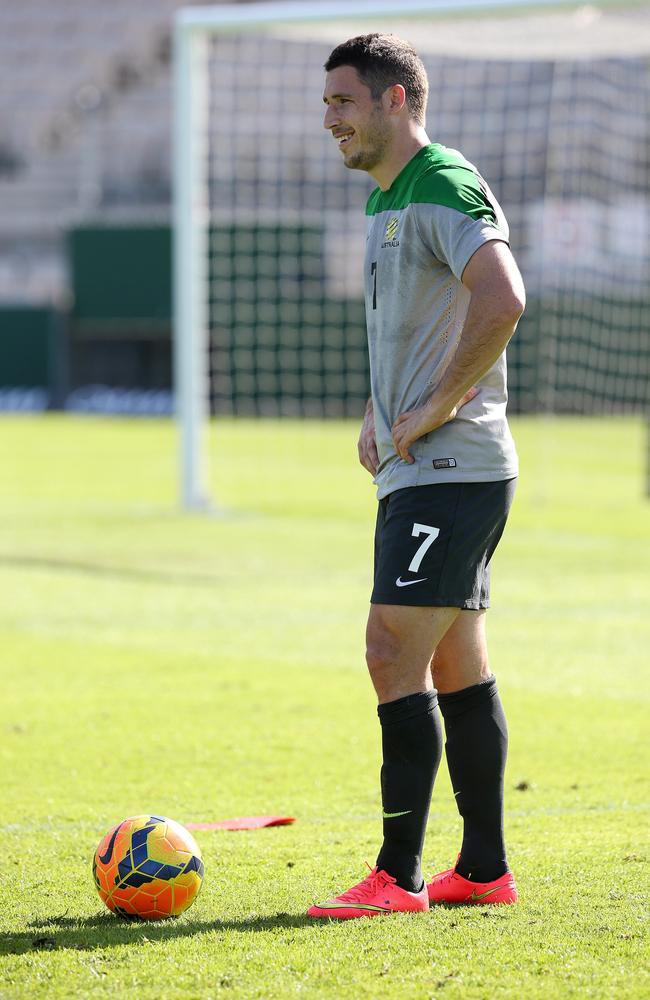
(436, 175)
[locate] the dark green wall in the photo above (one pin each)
(120, 273)
(25, 346)
(279, 343)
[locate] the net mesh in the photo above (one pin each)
(564, 144)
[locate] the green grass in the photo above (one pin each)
(212, 667)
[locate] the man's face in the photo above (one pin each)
(357, 122)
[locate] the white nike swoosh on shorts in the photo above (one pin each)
(407, 583)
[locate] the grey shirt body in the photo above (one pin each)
(421, 234)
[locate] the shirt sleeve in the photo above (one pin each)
(456, 216)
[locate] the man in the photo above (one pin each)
(443, 297)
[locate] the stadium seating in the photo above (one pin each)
(84, 127)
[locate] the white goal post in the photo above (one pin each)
(198, 228)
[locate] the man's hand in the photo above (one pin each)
(367, 445)
(415, 424)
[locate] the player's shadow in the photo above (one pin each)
(94, 933)
(124, 573)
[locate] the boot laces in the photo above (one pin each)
(369, 887)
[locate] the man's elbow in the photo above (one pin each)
(517, 305)
(512, 304)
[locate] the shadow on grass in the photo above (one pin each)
(123, 573)
(64, 933)
(93, 933)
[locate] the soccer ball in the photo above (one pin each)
(148, 868)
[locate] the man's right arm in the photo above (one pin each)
(367, 445)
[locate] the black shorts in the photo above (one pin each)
(433, 544)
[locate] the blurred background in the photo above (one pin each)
(551, 105)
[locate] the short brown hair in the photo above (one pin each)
(382, 61)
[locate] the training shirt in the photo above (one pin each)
(421, 234)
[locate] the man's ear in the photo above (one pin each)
(394, 99)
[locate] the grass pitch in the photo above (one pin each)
(208, 667)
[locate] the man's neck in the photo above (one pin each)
(399, 155)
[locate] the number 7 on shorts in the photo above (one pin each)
(421, 551)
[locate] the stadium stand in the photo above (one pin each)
(84, 120)
(85, 127)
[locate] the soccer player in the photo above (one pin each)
(443, 297)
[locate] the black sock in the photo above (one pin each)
(476, 747)
(411, 737)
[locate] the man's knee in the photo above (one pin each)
(383, 649)
(461, 658)
(399, 644)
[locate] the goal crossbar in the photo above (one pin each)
(243, 16)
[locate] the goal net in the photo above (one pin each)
(551, 105)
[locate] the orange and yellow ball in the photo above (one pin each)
(148, 868)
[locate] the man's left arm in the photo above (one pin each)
(496, 303)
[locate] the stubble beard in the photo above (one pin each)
(374, 146)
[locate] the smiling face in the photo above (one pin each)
(357, 122)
